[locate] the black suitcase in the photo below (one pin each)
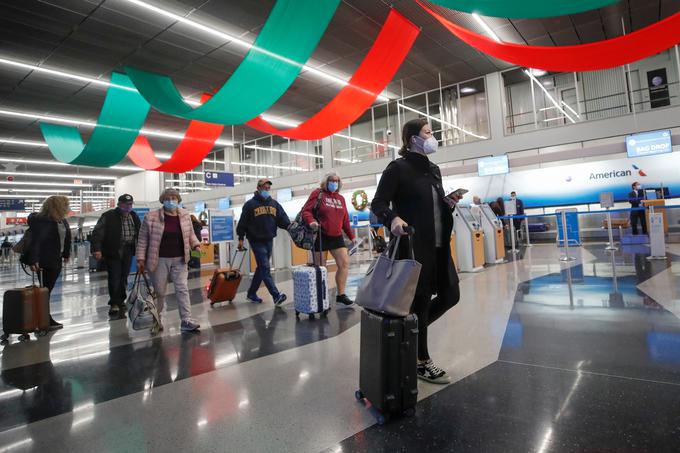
(388, 359)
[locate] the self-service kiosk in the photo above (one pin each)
(494, 243)
(469, 240)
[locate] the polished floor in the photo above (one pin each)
(545, 357)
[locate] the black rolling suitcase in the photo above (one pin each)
(388, 359)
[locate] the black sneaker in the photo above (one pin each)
(114, 310)
(280, 299)
(430, 372)
(344, 301)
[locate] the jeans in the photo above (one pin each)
(263, 253)
(118, 270)
(176, 269)
(428, 309)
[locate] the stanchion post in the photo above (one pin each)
(565, 239)
(526, 227)
(514, 250)
(611, 246)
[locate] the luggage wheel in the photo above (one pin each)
(40, 333)
(311, 316)
(297, 314)
(24, 337)
(325, 312)
(4, 337)
(359, 395)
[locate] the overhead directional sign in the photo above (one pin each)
(219, 178)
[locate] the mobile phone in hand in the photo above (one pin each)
(458, 193)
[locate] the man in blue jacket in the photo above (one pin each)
(260, 218)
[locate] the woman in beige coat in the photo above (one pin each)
(164, 249)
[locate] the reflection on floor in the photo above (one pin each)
(545, 357)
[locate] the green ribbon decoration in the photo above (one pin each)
(523, 9)
(119, 123)
(287, 40)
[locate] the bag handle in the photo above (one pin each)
(392, 252)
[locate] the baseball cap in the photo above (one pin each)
(263, 181)
(125, 198)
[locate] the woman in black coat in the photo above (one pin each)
(50, 243)
(410, 193)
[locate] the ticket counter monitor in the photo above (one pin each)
(469, 240)
(494, 243)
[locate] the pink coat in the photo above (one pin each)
(151, 233)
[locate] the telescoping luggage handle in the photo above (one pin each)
(317, 235)
(243, 257)
(393, 248)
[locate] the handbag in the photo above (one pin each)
(390, 284)
(143, 313)
(302, 234)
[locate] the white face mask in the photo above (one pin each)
(423, 146)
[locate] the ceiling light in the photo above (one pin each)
(22, 142)
(81, 122)
(54, 175)
(399, 104)
(486, 27)
(14, 197)
(468, 90)
(534, 79)
(244, 44)
(36, 190)
(280, 167)
(46, 184)
(61, 164)
(538, 72)
(362, 140)
(281, 121)
(283, 151)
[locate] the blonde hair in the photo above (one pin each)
(324, 182)
(55, 207)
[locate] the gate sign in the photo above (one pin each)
(11, 204)
(17, 220)
(219, 178)
(649, 143)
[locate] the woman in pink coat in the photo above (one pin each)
(164, 249)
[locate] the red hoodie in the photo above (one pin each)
(332, 214)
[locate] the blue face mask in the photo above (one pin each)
(170, 205)
(333, 186)
(265, 194)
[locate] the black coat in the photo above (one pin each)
(106, 234)
(44, 248)
(405, 191)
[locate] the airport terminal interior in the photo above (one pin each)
(168, 167)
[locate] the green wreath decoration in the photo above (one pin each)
(360, 206)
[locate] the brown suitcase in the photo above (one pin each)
(225, 282)
(25, 310)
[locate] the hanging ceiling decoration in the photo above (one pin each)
(120, 120)
(523, 9)
(197, 143)
(287, 40)
(376, 70)
(605, 54)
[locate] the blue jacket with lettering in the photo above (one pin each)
(260, 219)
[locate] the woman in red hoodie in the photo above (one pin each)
(327, 208)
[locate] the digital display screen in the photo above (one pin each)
(649, 143)
(496, 165)
(467, 215)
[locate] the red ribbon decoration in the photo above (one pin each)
(376, 70)
(197, 143)
(583, 57)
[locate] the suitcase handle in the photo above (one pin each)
(40, 278)
(243, 257)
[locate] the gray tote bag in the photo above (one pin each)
(390, 284)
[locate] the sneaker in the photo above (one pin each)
(114, 310)
(430, 372)
(280, 299)
(343, 300)
(254, 299)
(189, 325)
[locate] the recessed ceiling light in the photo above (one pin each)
(468, 90)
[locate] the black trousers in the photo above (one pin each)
(430, 309)
(48, 277)
(118, 270)
(638, 216)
